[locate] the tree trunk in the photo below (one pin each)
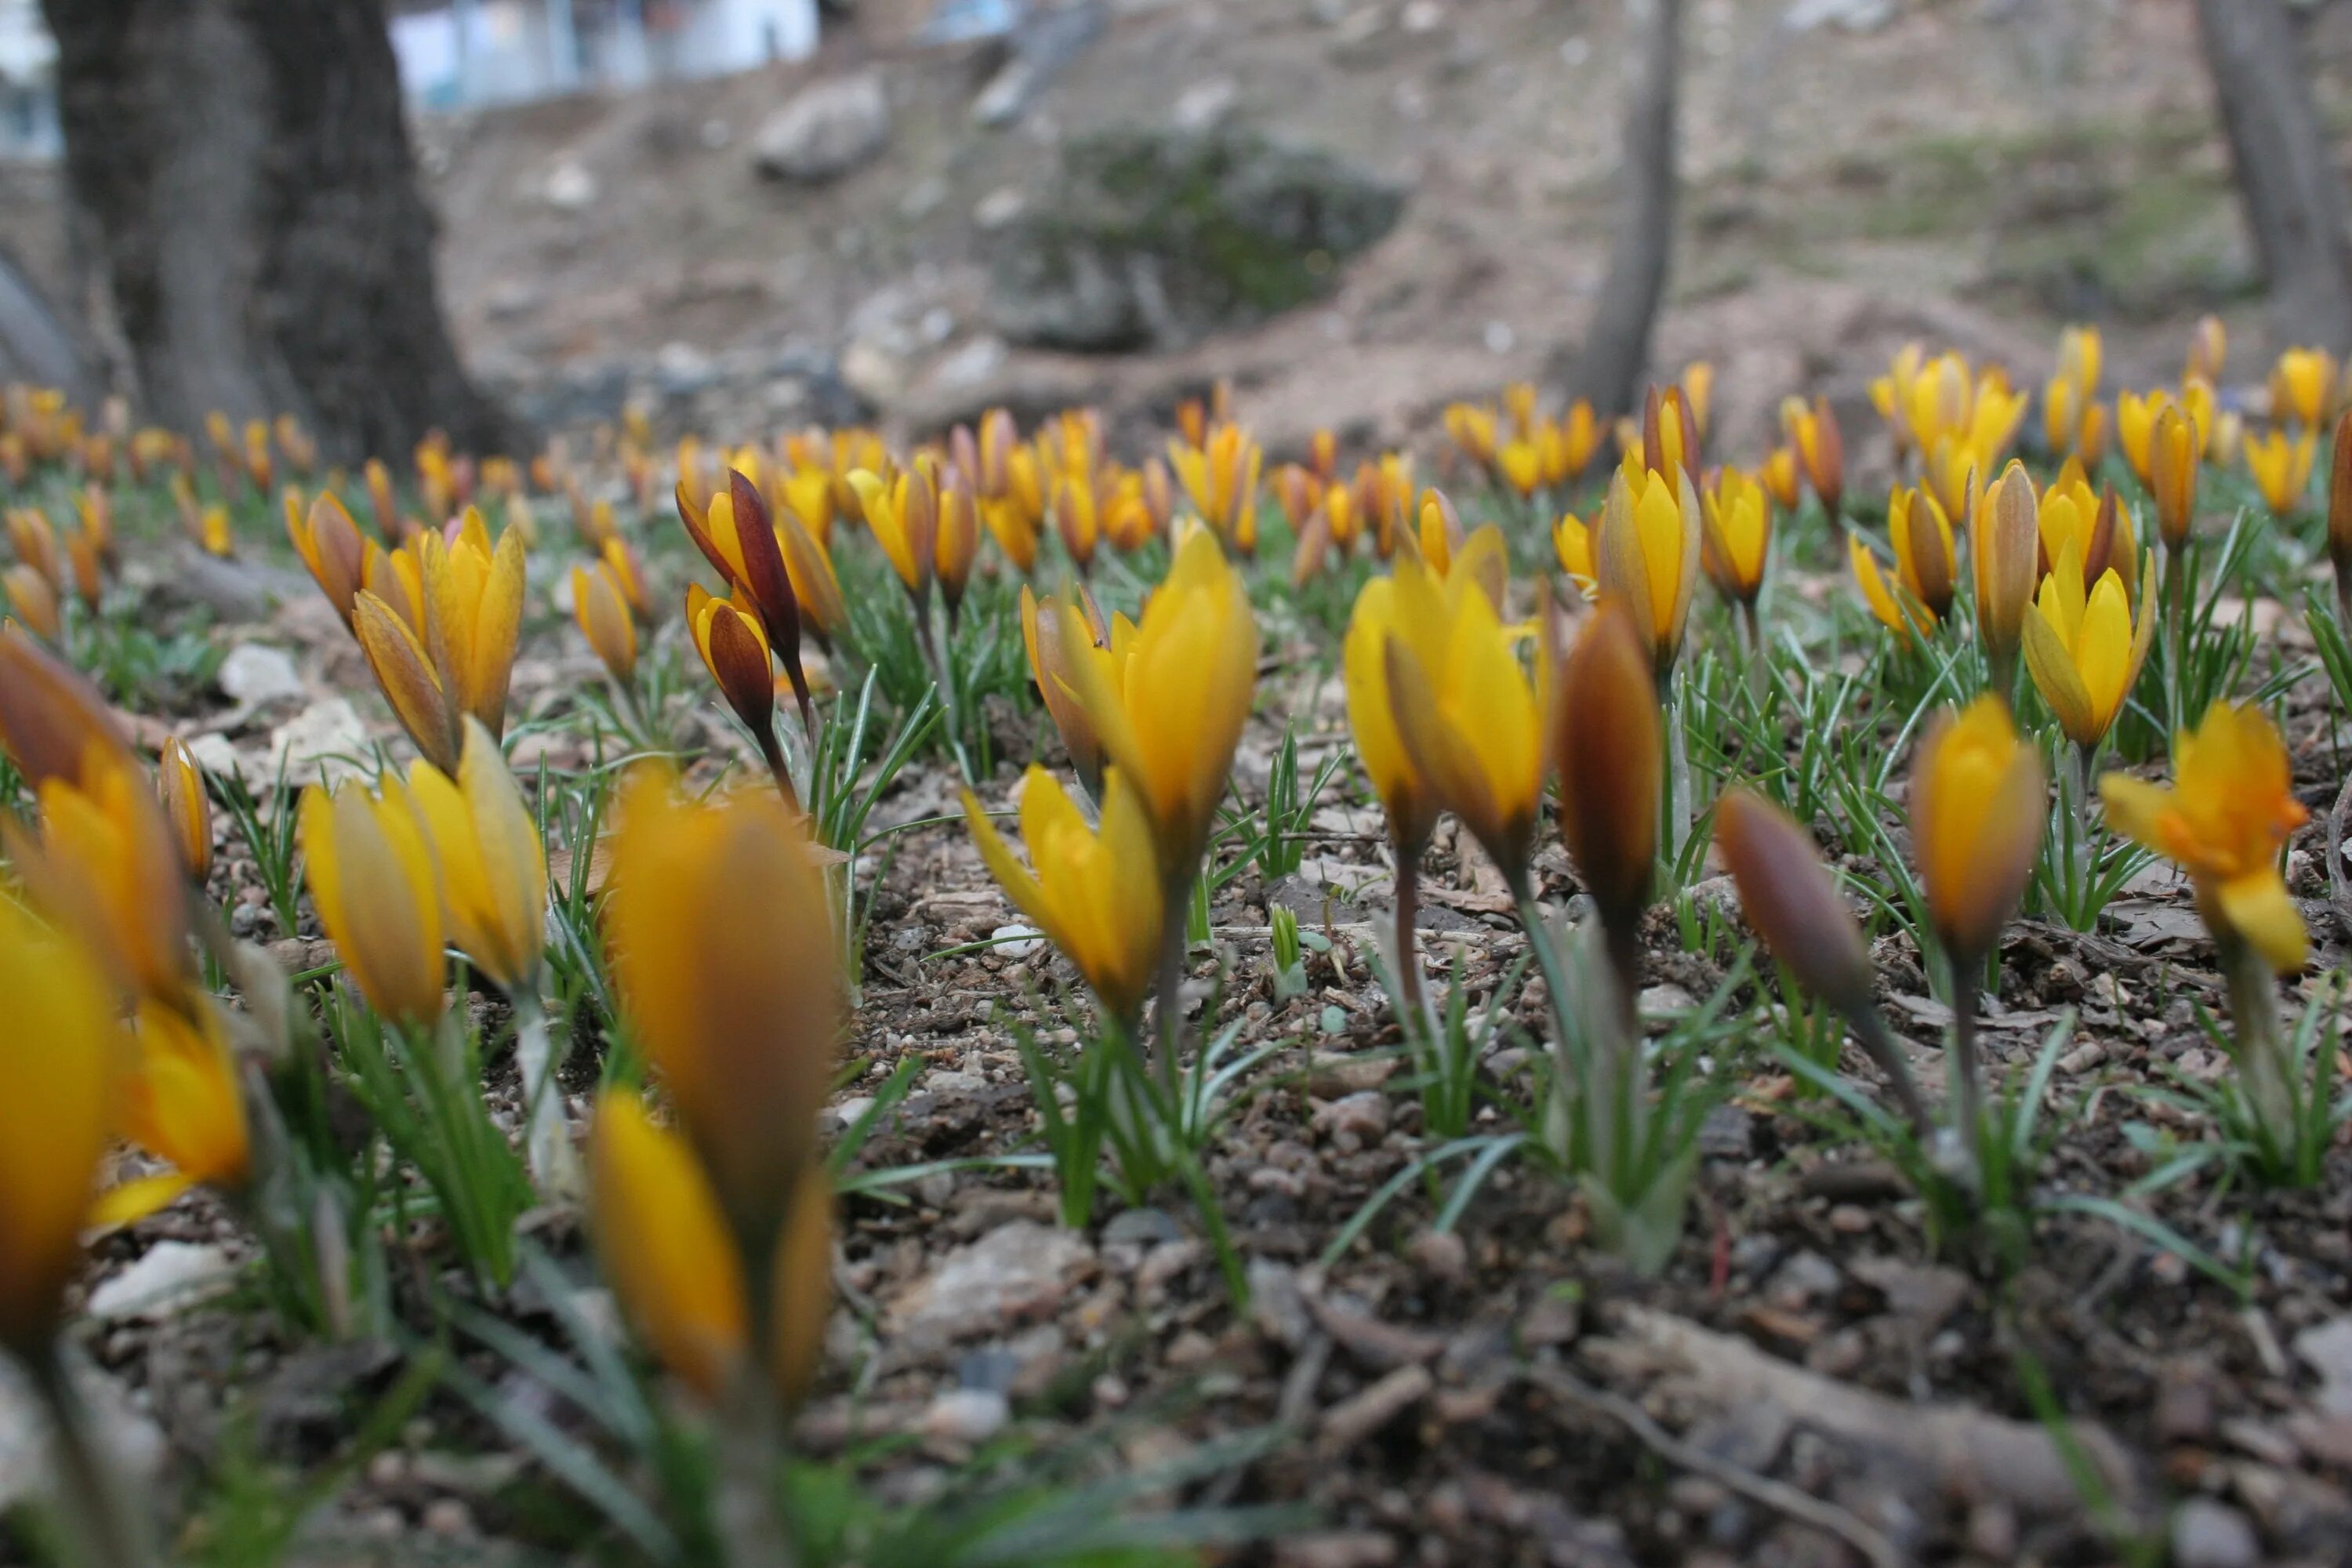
(1608, 372)
(2286, 176)
(244, 168)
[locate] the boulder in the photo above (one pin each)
(826, 131)
(1156, 239)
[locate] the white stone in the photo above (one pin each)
(570, 188)
(1018, 941)
(255, 673)
(325, 736)
(132, 1443)
(167, 1279)
(826, 131)
(967, 1414)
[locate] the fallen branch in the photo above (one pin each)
(1778, 1496)
(1967, 1453)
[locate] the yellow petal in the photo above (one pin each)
(2259, 908)
(664, 1246)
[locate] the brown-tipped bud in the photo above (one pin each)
(1314, 547)
(2172, 474)
(1296, 491)
(1606, 743)
(2006, 541)
(1791, 902)
(53, 724)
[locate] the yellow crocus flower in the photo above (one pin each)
(33, 600)
(2209, 348)
(1927, 570)
(2136, 421)
(1977, 799)
(379, 899)
(63, 1053)
(2005, 549)
(460, 660)
(2231, 807)
(180, 1103)
(186, 806)
(1472, 429)
(1465, 713)
(723, 949)
(1221, 477)
(1819, 449)
(903, 514)
(2303, 388)
(1606, 743)
(331, 546)
(1649, 554)
(1406, 797)
(1738, 536)
(678, 1275)
(1571, 540)
(2099, 527)
(2173, 447)
(105, 867)
(1194, 653)
(601, 607)
(2085, 650)
(493, 866)
(2281, 467)
(1085, 893)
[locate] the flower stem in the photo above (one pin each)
(1408, 908)
(750, 1526)
(554, 1166)
(1758, 667)
(1168, 1031)
(103, 1528)
(2261, 1038)
(1967, 1079)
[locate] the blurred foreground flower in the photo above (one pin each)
(715, 1237)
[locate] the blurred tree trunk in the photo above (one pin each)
(1608, 371)
(244, 168)
(2285, 170)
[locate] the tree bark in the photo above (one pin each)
(1608, 371)
(244, 168)
(2286, 172)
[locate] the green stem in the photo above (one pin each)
(1758, 667)
(1678, 779)
(749, 1524)
(103, 1527)
(547, 1140)
(1554, 968)
(2261, 1038)
(1168, 1030)
(1967, 1080)
(1408, 907)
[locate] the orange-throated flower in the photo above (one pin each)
(2230, 809)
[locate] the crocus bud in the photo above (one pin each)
(1977, 802)
(2172, 475)
(1790, 901)
(188, 807)
(2005, 542)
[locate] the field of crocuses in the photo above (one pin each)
(1564, 996)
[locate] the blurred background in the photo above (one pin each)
(511, 218)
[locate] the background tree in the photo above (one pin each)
(242, 171)
(1608, 368)
(2285, 169)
